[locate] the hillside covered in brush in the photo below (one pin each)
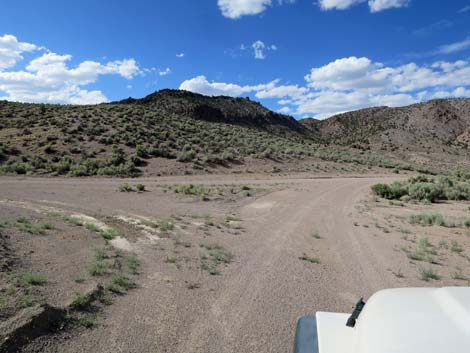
(435, 126)
(183, 132)
(121, 137)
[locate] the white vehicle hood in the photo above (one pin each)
(409, 320)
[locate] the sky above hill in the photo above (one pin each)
(299, 57)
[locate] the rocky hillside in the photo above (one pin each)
(221, 109)
(434, 126)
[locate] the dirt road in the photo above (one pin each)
(254, 305)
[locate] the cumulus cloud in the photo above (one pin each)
(235, 9)
(352, 83)
(11, 50)
(48, 78)
(374, 5)
(201, 85)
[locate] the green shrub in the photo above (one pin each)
(81, 301)
(467, 223)
(32, 279)
(428, 219)
(390, 192)
(425, 191)
(423, 188)
(109, 233)
(134, 264)
(119, 284)
(99, 268)
(125, 188)
(88, 321)
(428, 274)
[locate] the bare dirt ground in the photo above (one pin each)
(233, 269)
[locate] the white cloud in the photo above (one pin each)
(48, 78)
(180, 55)
(285, 110)
(353, 83)
(338, 4)
(454, 47)
(11, 50)
(293, 91)
(235, 9)
(348, 73)
(200, 85)
(380, 5)
(259, 49)
(374, 5)
(165, 72)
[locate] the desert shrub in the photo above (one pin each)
(81, 301)
(16, 168)
(140, 187)
(390, 192)
(118, 156)
(141, 151)
(119, 284)
(125, 188)
(191, 189)
(133, 263)
(424, 188)
(429, 274)
(187, 155)
(467, 223)
(428, 219)
(63, 166)
(425, 191)
(32, 279)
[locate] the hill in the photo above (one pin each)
(167, 132)
(176, 132)
(430, 126)
(222, 109)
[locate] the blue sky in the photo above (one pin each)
(300, 57)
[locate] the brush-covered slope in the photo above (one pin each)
(122, 137)
(237, 111)
(186, 132)
(433, 126)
